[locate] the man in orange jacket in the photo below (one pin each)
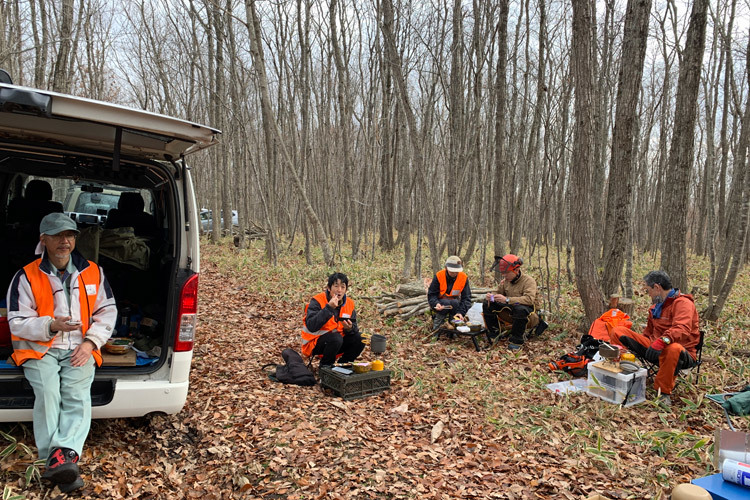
(670, 336)
(61, 311)
(330, 324)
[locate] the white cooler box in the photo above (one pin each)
(615, 387)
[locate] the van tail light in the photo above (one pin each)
(185, 334)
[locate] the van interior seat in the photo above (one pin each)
(34, 205)
(130, 213)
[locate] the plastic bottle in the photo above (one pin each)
(736, 472)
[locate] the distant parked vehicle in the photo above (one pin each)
(207, 222)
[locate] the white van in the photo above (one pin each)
(139, 222)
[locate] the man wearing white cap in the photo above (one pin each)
(449, 293)
(61, 311)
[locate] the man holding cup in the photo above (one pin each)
(515, 299)
(449, 294)
(61, 311)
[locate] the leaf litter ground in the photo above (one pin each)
(455, 424)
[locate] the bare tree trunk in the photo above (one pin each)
(416, 146)
(499, 228)
(345, 118)
(737, 245)
(303, 28)
(456, 120)
(581, 209)
(272, 129)
(60, 76)
(676, 200)
(40, 44)
(387, 162)
(618, 221)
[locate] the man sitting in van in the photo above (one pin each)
(61, 311)
(330, 324)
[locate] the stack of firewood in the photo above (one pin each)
(410, 299)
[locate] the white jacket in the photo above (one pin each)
(25, 322)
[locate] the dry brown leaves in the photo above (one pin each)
(456, 424)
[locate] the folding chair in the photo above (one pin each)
(534, 327)
(698, 359)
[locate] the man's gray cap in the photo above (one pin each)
(56, 223)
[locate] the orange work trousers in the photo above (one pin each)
(669, 359)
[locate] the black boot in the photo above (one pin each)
(518, 330)
(438, 320)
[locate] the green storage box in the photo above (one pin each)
(356, 385)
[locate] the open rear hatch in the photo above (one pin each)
(116, 171)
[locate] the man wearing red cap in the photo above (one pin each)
(516, 295)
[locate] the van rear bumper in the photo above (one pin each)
(134, 398)
(138, 398)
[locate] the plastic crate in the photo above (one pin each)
(356, 385)
(613, 387)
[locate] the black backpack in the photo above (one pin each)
(293, 372)
(575, 363)
(588, 347)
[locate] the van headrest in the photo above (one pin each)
(131, 202)
(38, 190)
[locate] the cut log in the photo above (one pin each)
(411, 289)
(411, 302)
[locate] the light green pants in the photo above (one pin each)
(62, 405)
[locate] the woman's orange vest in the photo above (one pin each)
(309, 339)
(458, 285)
(24, 349)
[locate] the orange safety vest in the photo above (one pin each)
(309, 339)
(458, 285)
(24, 349)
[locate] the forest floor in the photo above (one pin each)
(456, 423)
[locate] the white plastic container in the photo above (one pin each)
(615, 387)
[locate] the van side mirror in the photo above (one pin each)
(5, 77)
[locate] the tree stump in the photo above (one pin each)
(626, 306)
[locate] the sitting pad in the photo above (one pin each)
(739, 404)
(506, 320)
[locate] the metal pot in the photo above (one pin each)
(377, 343)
